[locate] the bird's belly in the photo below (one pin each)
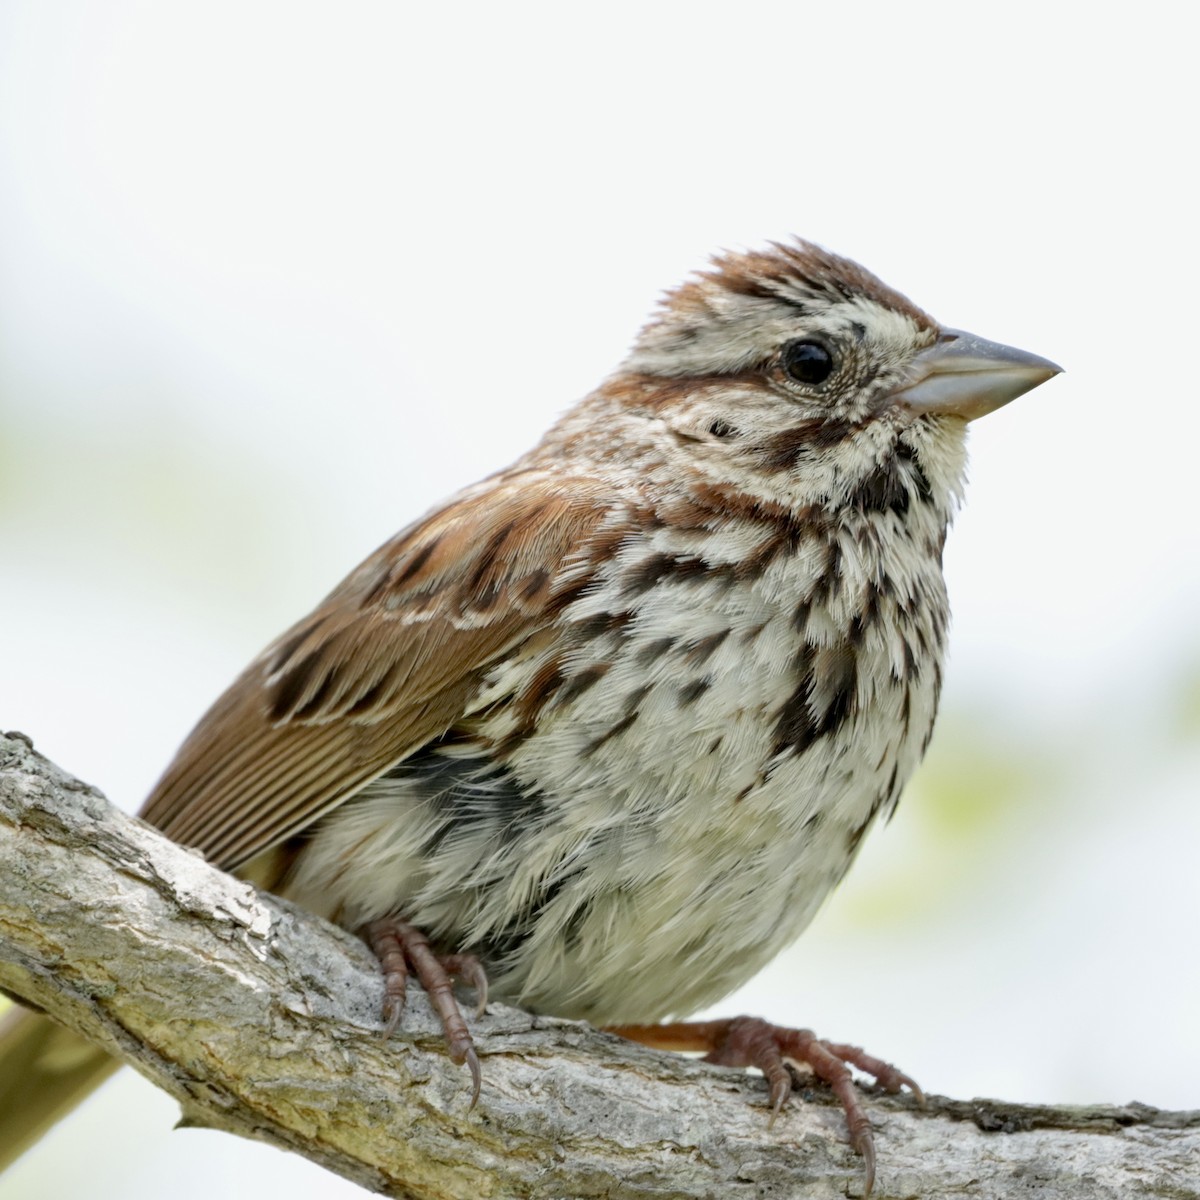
(679, 886)
(665, 826)
(710, 787)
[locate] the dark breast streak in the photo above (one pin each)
(465, 780)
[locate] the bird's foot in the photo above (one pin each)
(400, 946)
(775, 1050)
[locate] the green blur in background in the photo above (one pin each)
(275, 278)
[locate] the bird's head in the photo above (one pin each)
(794, 362)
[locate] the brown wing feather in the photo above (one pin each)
(389, 660)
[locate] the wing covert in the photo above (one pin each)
(389, 660)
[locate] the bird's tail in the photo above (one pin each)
(46, 1069)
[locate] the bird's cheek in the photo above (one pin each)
(697, 427)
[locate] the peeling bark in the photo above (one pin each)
(263, 1021)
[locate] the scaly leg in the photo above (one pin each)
(750, 1042)
(399, 946)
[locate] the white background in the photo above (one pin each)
(275, 277)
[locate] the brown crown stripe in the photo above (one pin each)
(799, 265)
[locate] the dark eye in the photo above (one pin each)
(807, 362)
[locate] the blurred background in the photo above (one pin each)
(275, 277)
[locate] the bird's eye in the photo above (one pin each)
(807, 362)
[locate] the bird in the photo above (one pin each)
(597, 735)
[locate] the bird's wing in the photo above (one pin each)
(389, 660)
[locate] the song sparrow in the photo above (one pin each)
(610, 724)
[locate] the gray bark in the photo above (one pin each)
(263, 1021)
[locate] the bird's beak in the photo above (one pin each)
(968, 376)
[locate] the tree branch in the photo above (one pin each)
(263, 1021)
